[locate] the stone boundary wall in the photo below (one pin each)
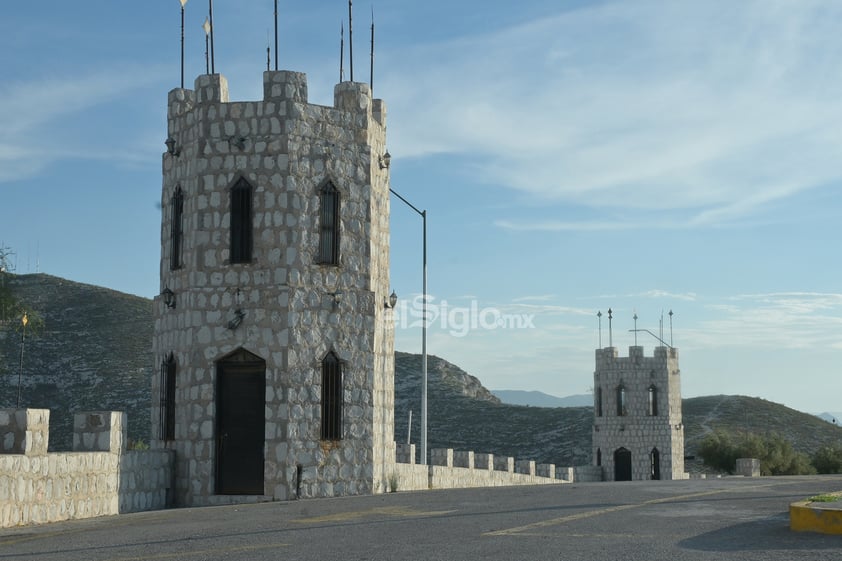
(100, 477)
(451, 469)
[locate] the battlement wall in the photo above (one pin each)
(100, 477)
(609, 358)
(455, 469)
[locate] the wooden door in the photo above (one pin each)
(240, 424)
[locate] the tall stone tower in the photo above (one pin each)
(274, 339)
(638, 433)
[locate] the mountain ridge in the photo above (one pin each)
(95, 354)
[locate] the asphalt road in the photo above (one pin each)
(734, 518)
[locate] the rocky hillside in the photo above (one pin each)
(95, 354)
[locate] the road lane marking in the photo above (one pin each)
(526, 529)
(390, 511)
(195, 552)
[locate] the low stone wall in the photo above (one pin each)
(98, 478)
(451, 469)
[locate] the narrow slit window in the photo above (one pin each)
(329, 226)
(331, 398)
(653, 401)
(241, 222)
(177, 229)
(167, 420)
(622, 406)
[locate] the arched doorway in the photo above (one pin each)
(240, 423)
(622, 465)
(655, 463)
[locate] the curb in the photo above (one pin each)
(807, 516)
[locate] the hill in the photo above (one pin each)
(541, 399)
(95, 354)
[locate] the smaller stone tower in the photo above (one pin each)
(638, 433)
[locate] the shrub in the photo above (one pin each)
(777, 457)
(828, 459)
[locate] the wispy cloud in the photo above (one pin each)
(32, 109)
(661, 106)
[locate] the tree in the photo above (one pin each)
(828, 459)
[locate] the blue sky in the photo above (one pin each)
(573, 156)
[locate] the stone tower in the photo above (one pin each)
(638, 433)
(274, 340)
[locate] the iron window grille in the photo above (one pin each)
(622, 406)
(177, 228)
(329, 225)
(331, 428)
(652, 409)
(167, 420)
(241, 222)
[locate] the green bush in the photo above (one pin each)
(720, 450)
(828, 459)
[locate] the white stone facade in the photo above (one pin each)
(283, 305)
(638, 432)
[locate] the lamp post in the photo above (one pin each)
(423, 215)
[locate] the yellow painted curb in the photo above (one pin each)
(824, 518)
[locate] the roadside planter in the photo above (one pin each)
(821, 513)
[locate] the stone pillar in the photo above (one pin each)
(526, 467)
(748, 467)
(441, 457)
(463, 459)
(100, 431)
(24, 431)
(503, 463)
(484, 461)
(545, 470)
(404, 453)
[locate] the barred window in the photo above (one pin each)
(652, 409)
(241, 222)
(177, 228)
(167, 389)
(622, 409)
(331, 398)
(329, 226)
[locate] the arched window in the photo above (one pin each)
(329, 225)
(598, 403)
(331, 398)
(241, 222)
(655, 464)
(167, 391)
(652, 409)
(176, 228)
(598, 456)
(622, 406)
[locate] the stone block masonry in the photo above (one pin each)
(100, 477)
(275, 245)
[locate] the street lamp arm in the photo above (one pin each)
(653, 335)
(409, 204)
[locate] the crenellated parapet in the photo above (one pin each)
(100, 477)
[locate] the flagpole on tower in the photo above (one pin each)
(206, 26)
(183, 2)
(371, 79)
(342, 52)
(351, 36)
(276, 35)
(210, 20)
